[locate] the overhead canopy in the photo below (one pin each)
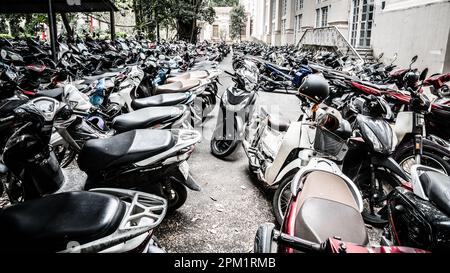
(42, 6)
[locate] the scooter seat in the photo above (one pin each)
(193, 75)
(146, 118)
(160, 100)
(437, 187)
(279, 123)
(91, 79)
(336, 219)
(125, 148)
(51, 93)
(177, 87)
(48, 224)
(327, 208)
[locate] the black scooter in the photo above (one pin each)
(420, 217)
(103, 220)
(153, 161)
(369, 161)
(236, 109)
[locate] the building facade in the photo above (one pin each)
(406, 27)
(220, 29)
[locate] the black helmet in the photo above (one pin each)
(411, 78)
(315, 88)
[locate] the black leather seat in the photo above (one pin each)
(146, 118)
(160, 100)
(48, 224)
(279, 123)
(437, 187)
(51, 93)
(322, 219)
(125, 148)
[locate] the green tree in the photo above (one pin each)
(225, 3)
(238, 20)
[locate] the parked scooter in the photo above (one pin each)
(236, 110)
(102, 220)
(151, 161)
(323, 215)
(419, 218)
(277, 150)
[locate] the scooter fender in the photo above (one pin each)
(233, 127)
(191, 184)
(392, 165)
(436, 148)
(239, 124)
(293, 166)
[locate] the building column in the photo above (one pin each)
(290, 22)
(276, 32)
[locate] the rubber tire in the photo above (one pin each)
(408, 150)
(370, 219)
(181, 192)
(223, 154)
(263, 240)
(286, 181)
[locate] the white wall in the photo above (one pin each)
(409, 27)
(258, 20)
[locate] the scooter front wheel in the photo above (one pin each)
(223, 148)
(281, 199)
(176, 196)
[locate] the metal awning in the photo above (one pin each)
(42, 6)
(51, 7)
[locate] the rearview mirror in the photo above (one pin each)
(380, 56)
(394, 58)
(413, 60)
(424, 74)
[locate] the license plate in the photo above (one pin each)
(184, 169)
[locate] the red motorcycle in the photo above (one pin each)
(428, 120)
(324, 215)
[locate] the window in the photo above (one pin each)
(284, 7)
(299, 23)
(300, 5)
(324, 17)
(283, 26)
(355, 19)
(215, 31)
(274, 9)
(298, 26)
(317, 17)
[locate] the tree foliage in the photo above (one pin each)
(150, 16)
(14, 20)
(225, 3)
(238, 20)
(181, 15)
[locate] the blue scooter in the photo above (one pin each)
(281, 78)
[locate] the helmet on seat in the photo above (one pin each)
(314, 88)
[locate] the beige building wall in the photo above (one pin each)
(414, 27)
